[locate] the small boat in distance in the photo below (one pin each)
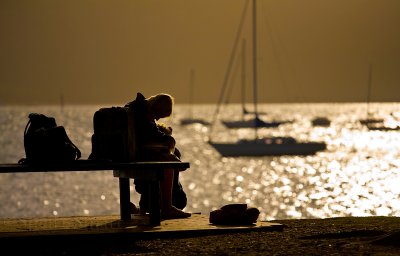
(321, 121)
(381, 127)
(370, 119)
(269, 146)
(390, 124)
(256, 122)
(190, 120)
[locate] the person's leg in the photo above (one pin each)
(168, 211)
(179, 199)
(142, 187)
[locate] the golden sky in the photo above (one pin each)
(103, 51)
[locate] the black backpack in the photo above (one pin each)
(45, 142)
(113, 135)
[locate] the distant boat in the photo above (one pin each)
(252, 122)
(321, 121)
(273, 146)
(256, 122)
(387, 125)
(370, 119)
(191, 120)
(371, 122)
(264, 146)
(381, 127)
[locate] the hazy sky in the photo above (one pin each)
(104, 51)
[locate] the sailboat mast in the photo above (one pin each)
(255, 63)
(191, 92)
(369, 89)
(62, 101)
(227, 73)
(243, 76)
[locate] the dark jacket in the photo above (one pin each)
(147, 132)
(146, 129)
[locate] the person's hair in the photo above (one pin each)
(161, 104)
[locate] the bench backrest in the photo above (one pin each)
(114, 134)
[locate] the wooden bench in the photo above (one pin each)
(149, 171)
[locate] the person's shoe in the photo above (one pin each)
(174, 213)
(133, 208)
(142, 212)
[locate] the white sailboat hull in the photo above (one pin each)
(256, 148)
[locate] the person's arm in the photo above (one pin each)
(153, 134)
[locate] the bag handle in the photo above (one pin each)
(78, 152)
(27, 126)
(24, 160)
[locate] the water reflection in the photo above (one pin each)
(358, 174)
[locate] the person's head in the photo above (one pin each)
(160, 105)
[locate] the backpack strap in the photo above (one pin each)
(78, 152)
(27, 126)
(24, 160)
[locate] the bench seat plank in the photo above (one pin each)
(89, 165)
(151, 171)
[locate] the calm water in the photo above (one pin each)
(358, 174)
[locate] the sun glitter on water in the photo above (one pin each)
(358, 174)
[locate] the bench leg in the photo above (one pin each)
(124, 199)
(154, 192)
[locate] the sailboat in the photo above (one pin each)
(380, 127)
(256, 121)
(373, 123)
(264, 146)
(321, 121)
(369, 120)
(190, 120)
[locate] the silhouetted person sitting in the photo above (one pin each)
(155, 143)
